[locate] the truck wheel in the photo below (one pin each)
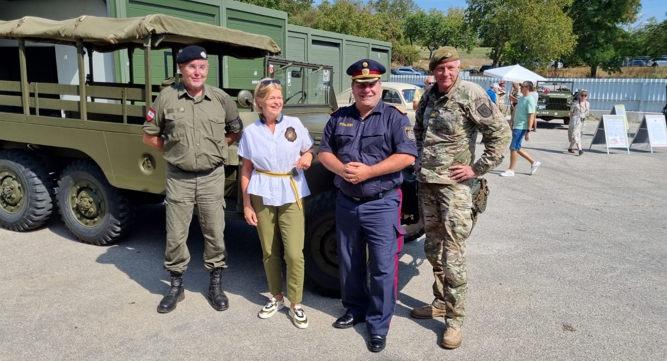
(93, 210)
(321, 245)
(25, 191)
(566, 121)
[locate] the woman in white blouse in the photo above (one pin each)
(275, 151)
(578, 113)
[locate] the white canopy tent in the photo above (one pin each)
(514, 73)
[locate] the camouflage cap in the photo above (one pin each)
(444, 54)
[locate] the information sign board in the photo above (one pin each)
(611, 131)
(653, 131)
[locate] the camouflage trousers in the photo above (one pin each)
(447, 214)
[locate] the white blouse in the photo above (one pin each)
(275, 152)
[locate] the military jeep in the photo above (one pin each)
(554, 101)
(78, 148)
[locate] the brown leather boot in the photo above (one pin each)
(428, 311)
(451, 338)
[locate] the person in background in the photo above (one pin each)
(536, 96)
(275, 150)
(500, 96)
(515, 94)
(492, 92)
(578, 113)
(418, 93)
(524, 116)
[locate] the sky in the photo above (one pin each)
(655, 8)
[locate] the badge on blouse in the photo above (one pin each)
(290, 134)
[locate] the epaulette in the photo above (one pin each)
(336, 111)
(400, 110)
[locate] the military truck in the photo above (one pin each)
(78, 148)
(555, 99)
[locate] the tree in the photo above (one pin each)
(654, 39)
(523, 30)
(347, 17)
(434, 29)
(601, 38)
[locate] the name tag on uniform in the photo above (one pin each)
(346, 124)
(174, 110)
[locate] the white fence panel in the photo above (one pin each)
(645, 95)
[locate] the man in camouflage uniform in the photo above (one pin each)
(448, 119)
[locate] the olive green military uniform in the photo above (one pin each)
(195, 148)
(446, 129)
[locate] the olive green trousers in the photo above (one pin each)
(183, 190)
(286, 222)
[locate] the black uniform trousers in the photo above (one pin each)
(375, 224)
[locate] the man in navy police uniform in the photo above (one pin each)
(366, 145)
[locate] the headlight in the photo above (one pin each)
(541, 107)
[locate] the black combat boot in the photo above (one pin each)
(174, 296)
(216, 295)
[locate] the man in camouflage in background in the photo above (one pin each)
(449, 116)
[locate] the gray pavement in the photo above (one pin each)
(567, 264)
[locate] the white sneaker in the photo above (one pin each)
(271, 308)
(507, 173)
(534, 166)
(298, 317)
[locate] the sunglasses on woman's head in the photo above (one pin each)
(269, 81)
(584, 95)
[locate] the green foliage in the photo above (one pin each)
(404, 53)
(523, 30)
(435, 29)
(347, 17)
(602, 41)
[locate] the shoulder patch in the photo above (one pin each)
(150, 115)
(482, 107)
(400, 110)
(410, 134)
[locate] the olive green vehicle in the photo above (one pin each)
(555, 99)
(87, 157)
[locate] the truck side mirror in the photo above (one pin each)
(244, 99)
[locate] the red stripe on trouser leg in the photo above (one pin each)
(400, 245)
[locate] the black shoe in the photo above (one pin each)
(174, 296)
(346, 321)
(216, 295)
(376, 343)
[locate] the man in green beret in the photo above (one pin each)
(448, 118)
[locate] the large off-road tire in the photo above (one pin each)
(26, 191)
(566, 121)
(321, 245)
(93, 210)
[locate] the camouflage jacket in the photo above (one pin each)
(446, 130)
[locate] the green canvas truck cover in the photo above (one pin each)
(109, 34)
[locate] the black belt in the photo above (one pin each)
(375, 197)
(200, 173)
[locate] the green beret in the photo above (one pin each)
(444, 54)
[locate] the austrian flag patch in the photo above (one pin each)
(150, 115)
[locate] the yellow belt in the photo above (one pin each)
(284, 175)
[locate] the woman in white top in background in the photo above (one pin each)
(578, 113)
(275, 151)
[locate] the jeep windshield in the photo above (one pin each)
(304, 85)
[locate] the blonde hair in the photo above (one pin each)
(263, 92)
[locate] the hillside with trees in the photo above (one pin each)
(592, 33)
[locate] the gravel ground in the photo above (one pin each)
(567, 264)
